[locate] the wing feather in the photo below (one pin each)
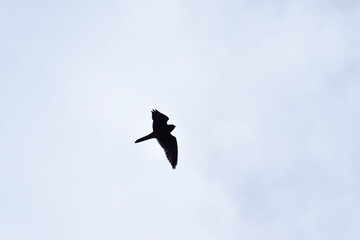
(169, 144)
(159, 117)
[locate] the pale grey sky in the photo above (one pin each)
(265, 96)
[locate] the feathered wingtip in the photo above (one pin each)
(156, 115)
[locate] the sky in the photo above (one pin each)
(264, 95)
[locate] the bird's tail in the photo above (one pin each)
(147, 137)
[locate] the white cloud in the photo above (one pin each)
(265, 100)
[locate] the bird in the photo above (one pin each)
(162, 133)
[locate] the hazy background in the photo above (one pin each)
(265, 96)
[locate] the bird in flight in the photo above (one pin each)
(162, 132)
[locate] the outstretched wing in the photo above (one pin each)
(169, 144)
(158, 117)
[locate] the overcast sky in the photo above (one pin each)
(265, 96)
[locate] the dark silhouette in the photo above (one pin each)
(162, 132)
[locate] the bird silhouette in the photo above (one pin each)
(162, 132)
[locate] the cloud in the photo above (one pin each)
(264, 97)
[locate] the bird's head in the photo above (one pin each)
(171, 127)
